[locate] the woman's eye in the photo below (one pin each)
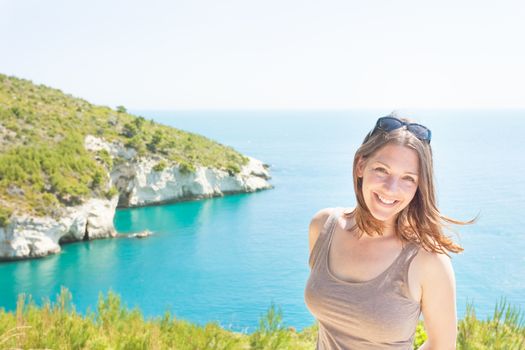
(410, 179)
(382, 170)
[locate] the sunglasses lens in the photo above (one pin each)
(420, 131)
(389, 124)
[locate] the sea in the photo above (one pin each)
(231, 259)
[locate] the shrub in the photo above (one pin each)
(186, 168)
(139, 122)
(5, 214)
(271, 333)
(130, 130)
(17, 112)
(156, 139)
(420, 336)
(97, 179)
(233, 168)
(160, 166)
(121, 109)
(136, 143)
(505, 330)
(47, 204)
(113, 191)
(106, 158)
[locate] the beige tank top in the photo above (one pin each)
(375, 314)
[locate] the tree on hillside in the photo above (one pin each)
(156, 139)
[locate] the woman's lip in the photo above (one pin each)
(388, 205)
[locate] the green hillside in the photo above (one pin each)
(43, 163)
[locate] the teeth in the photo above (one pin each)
(386, 201)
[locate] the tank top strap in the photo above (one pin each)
(329, 225)
(324, 236)
(409, 253)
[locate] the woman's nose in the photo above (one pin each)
(391, 185)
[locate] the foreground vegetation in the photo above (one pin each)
(43, 162)
(57, 325)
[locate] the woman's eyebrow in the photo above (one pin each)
(407, 172)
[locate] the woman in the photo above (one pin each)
(375, 268)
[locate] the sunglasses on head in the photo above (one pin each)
(388, 124)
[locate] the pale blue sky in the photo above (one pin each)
(242, 54)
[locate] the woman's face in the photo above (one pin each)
(390, 180)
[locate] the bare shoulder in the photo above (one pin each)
(432, 268)
(316, 225)
(433, 260)
(318, 221)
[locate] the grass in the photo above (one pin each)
(57, 325)
(505, 330)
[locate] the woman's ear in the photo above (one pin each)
(360, 168)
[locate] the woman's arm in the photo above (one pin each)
(438, 301)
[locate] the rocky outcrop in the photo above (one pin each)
(31, 237)
(138, 184)
(115, 149)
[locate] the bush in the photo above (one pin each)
(136, 143)
(130, 130)
(47, 204)
(5, 214)
(505, 330)
(156, 139)
(16, 112)
(139, 122)
(121, 109)
(420, 336)
(113, 191)
(186, 168)
(233, 168)
(97, 179)
(271, 333)
(106, 158)
(160, 166)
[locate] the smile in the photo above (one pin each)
(384, 201)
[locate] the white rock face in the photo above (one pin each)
(30, 237)
(93, 143)
(138, 184)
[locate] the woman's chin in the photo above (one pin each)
(385, 218)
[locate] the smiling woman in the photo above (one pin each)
(390, 183)
(375, 268)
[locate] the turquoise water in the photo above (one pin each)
(227, 259)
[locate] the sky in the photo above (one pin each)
(271, 54)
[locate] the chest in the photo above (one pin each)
(357, 260)
(376, 309)
(353, 259)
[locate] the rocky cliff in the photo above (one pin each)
(138, 184)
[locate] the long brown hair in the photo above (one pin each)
(421, 221)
